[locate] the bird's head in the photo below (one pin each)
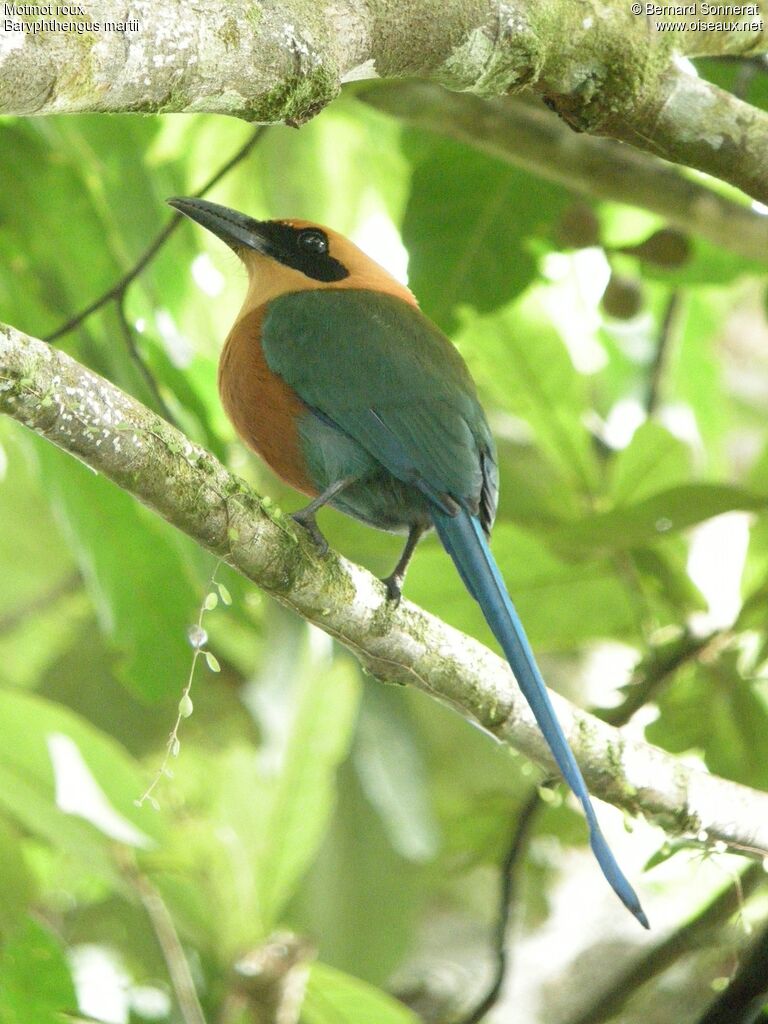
(290, 255)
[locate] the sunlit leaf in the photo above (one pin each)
(18, 885)
(364, 886)
(562, 603)
(336, 998)
(254, 821)
(526, 369)
(302, 798)
(41, 792)
(469, 244)
(134, 568)
(41, 597)
(35, 982)
(664, 513)
(653, 461)
(393, 774)
(715, 710)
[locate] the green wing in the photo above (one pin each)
(383, 373)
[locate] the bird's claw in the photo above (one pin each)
(394, 585)
(309, 523)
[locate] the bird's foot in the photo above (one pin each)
(306, 519)
(394, 585)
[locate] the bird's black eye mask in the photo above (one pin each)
(303, 249)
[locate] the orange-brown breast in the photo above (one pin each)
(262, 407)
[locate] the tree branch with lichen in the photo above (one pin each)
(605, 70)
(91, 419)
(522, 132)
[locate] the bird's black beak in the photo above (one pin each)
(234, 228)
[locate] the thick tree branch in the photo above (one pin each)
(93, 420)
(692, 122)
(524, 133)
(605, 69)
(264, 62)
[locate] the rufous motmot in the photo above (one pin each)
(350, 394)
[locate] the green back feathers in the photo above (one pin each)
(350, 352)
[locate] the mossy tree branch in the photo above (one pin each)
(604, 69)
(91, 419)
(524, 133)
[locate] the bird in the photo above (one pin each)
(335, 377)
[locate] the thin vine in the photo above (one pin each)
(198, 638)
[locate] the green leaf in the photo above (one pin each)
(351, 169)
(31, 549)
(372, 897)
(18, 886)
(665, 852)
(715, 710)
(302, 798)
(333, 997)
(653, 461)
(253, 822)
(467, 226)
(754, 582)
(67, 783)
(694, 375)
(41, 598)
(663, 570)
(392, 772)
(647, 521)
(532, 490)
(190, 390)
(562, 603)
(133, 565)
(35, 983)
(523, 365)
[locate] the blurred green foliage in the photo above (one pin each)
(304, 796)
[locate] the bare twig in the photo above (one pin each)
(138, 358)
(167, 937)
(521, 830)
(654, 673)
(666, 333)
(119, 288)
(705, 926)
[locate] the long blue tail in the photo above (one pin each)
(463, 539)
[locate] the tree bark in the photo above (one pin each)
(604, 69)
(522, 132)
(91, 419)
